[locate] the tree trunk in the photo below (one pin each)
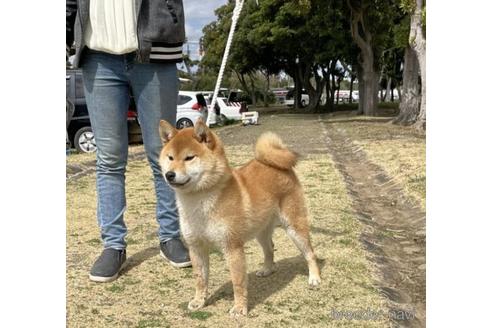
(297, 87)
(243, 82)
(338, 95)
(388, 88)
(306, 77)
(368, 99)
(360, 109)
(410, 94)
(329, 98)
(320, 85)
(418, 44)
(316, 91)
(351, 88)
(253, 90)
(333, 82)
(267, 88)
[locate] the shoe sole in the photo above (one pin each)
(107, 279)
(174, 264)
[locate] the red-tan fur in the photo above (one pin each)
(224, 207)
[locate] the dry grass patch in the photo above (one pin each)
(399, 150)
(151, 293)
(78, 158)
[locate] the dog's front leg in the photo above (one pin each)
(237, 266)
(200, 261)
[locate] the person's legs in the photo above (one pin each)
(155, 88)
(107, 96)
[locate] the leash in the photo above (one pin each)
(211, 118)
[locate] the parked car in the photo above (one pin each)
(79, 130)
(228, 110)
(280, 94)
(289, 98)
(191, 106)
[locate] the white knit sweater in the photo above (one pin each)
(112, 26)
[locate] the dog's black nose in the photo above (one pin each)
(170, 176)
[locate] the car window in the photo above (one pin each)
(201, 100)
(79, 86)
(183, 100)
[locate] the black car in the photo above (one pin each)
(79, 130)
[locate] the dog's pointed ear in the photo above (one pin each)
(203, 133)
(167, 131)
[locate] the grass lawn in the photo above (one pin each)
(151, 293)
(77, 158)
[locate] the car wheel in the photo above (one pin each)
(84, 140)
(303, 103)
(184, 123)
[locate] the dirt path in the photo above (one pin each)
(394, 228)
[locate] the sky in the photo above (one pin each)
(198, 13)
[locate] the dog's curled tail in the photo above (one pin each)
(270, 150)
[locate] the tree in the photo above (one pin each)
(369, 25)
(410, 95)
(391, 72)
(368, 86)
(244, 58)
(308, 39)
(418, 44)
(411, 36)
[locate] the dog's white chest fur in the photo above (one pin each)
(196, 220)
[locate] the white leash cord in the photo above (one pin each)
(211, 118)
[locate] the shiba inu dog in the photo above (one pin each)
(224, 207)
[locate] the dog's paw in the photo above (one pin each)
(265, 272)
(314, 281)
(196, 304)
(238, 310)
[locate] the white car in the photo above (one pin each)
(289, 99)
(231, 110)
(191, 106)
(228, 110)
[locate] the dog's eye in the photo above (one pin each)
(189, 158)
(170, 157)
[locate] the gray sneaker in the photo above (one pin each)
(176, 253)
(108, 265)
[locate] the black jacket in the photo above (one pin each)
(160, 30)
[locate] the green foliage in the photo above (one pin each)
(205, 80)
(401, 32)
(407, 6)
(301, 36)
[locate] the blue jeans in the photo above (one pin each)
(107, 82)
